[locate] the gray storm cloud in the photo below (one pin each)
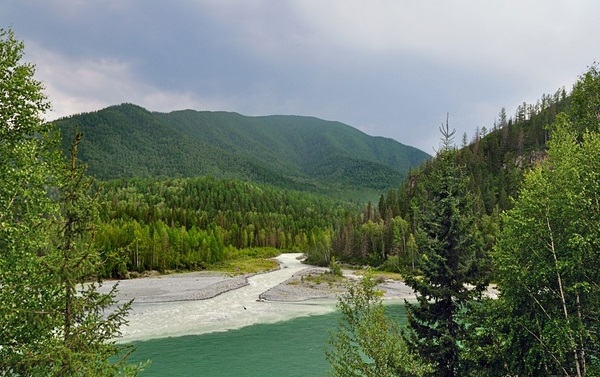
(389, 68)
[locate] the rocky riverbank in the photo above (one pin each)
(308, 284)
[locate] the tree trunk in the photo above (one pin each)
(563, 301)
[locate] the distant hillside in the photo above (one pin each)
(289, 151)
(495, 159)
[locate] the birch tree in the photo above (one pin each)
(367, 342)
(547, 262)
(52, 321)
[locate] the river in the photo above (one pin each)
(233, 334)
(231, 310)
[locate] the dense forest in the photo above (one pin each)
(495, 162)
(190, 223)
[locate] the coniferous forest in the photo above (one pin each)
(514, 205)
(192, 223)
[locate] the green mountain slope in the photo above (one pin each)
(289, 151)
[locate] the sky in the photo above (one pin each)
(391, 68)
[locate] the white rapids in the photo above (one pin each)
(230, 310)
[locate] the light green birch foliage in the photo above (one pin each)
(25, 174)
(52, 321)
(547, 261)
(367, 343)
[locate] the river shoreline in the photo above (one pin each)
(204, 285)
(203, 302)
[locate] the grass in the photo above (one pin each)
(247, 261)
(380, 275)
(246, 265)
(324, 278)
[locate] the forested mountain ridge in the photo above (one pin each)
(495, 162)
(288, 151)
(497, 158)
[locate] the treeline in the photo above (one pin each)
(191, 223)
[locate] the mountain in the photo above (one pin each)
(496, 160)
(296, 152)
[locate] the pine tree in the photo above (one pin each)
(451, 270)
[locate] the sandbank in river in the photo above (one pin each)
(202, 302)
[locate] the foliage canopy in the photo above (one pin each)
(52, 322)
(367, 342)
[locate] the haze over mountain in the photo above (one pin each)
(298, 152)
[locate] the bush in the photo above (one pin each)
(334, 267)
(391, 264)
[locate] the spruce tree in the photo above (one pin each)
(451, 268)
(87, 322)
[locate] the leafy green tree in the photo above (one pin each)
(25, 173)
(367, 342)
(452, 270)
(585, 101)
(48, 326)
(547, 262)
(335, 268)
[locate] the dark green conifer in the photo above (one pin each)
(451, 268)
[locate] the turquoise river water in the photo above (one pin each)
(289, 348)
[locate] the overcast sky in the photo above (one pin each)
(390, 68)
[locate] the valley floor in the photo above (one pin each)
(203, 302)
(205, 285)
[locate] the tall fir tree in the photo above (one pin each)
(452, 269)
(87, 322)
